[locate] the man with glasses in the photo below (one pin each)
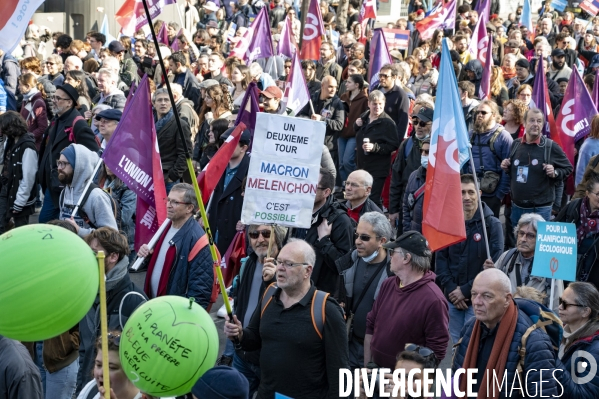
(357, 191)
(490, 146)
(107, 121)
(458, 264)
(327, 65)
(397, 103)
(571, 55)
(294, 359)
(363, 271)
(517, 262)
(63, 107)
(331, 233)
(180, 263)
(118, 284)
(409, 308)
(343, 57)
(257, 272)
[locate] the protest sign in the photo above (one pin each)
(231, 31)
(555, 251)
(559, 5)
(590, 6)
(283, 172)
(397, 38)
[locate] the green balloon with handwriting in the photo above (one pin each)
(48, 281)
(167, 344)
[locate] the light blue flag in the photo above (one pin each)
(526, 17)
(448, 119)
(106, 31)
(279, 396)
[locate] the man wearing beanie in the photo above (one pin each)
(221, 382)
(63, 131)
(75, 168)
(523, 76)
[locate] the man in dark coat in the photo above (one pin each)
(227, 198)
(397, 103)
(62, 132)
(184, 77)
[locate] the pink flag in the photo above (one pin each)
(478, 44)
(132, 155)
(485, 83)
(256, 42)
(575, 115)
(287, 45)
(296, 94)
(313, 33)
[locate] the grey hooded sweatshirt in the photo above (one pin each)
(98, 206)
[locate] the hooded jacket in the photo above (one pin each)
(416, 313)
(34, 113)
(115, 99)
(477, 67)
(19, 179)
(353, 109)
(412, 213)
(568, 362)
(19, 376)
(458, 264)
(98, 206)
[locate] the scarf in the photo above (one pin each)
(501, 346)
(589, 222)
(165, 119)
(27, 97)
(508, 73)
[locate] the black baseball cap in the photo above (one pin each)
(411, 241)
(425, 114)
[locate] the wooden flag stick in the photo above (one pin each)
(103, 324)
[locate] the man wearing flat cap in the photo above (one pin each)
(107, 123)
(62, 131)
(410, 308)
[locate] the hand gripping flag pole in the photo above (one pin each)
(190, 168)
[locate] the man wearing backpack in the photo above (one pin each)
(75, 168)
(301, 347)
(517, 262)
(543, 163)
(490, 145)
(503, 340)
(458, 264)
(68, 126)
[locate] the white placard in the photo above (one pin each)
(283, 172)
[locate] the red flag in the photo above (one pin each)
(231, 261)
(313, 32)
(126, 14)
(210, 176)
(479, 43)
(485, 83)
(442, 18)
(368, 10)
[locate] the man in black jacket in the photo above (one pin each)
(357, 190)
(397, 104)
(172, 148)
(257, 273)
(184, 77)
(331, 234)
(227, 198)
(61, 133)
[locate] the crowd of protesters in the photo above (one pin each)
(360, 288)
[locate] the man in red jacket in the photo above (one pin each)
(410, 308)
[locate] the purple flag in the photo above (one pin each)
(287, 45)
(175, 45)
(163, 35)
(154, 6)
(596, 89)
(296, 94)
(256, 42)
(540, 98)
(379, 56)
(483, 8)
(485, 83)
(132, 155)
(249, 108)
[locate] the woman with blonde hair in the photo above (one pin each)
(524, 94)
(54, 65)
(499, 92)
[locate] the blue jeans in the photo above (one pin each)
(39, 361)
(347, 156)
(517, 212)
(49, 211)
(229, 349)
(62, 383)
(457, 319)
(250, 371)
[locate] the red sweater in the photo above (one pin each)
(417, 313)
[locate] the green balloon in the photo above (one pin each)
(48, 281)
(167, 345)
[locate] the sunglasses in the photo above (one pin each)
(417, 122)
(565, 304)
(421, 350)
(363, 237)
(255, 234)
(483, 113)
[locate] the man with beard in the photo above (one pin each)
(63, 107)
(490, 145)
(461, 46)
(183, 76)
(543, 162)
(75, 167)
(558, 68)
(270, 98)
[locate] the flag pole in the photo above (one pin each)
(103, 324)
(152, 242)
(190, 167)
(89, 182)
(480, 203)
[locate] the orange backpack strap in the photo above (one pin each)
(319, 303)
(199, 245)
(269, 292)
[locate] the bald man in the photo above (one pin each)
(73, 63)
(357, 190)
(497, 328)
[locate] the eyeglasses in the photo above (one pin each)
(49, 63)
(483, 113)
(363, 237)
(175, 203)
(115, 338)
(286, 264)
(61, 164)
(420, 123)
(254, 234)
(529, 236)
(56, 98)
(565, 304)
(421, 350)
(595, 194)
(382, 75)
(352, 184)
